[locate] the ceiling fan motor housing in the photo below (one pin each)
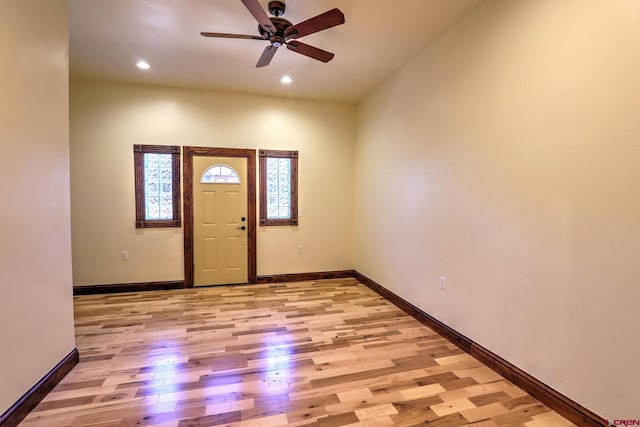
(281, 25)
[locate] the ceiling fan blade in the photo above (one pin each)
(260, 15)
(321, 22)
(267, 55)
(310, 51)
(231, 36)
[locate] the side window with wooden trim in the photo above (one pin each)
(278, 187)
(157, 185)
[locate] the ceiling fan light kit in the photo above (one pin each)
(279, 31)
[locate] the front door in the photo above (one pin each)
(220, 220)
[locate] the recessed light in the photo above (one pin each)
(287, 80)
(143, 65)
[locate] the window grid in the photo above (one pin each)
(220, 174)
(278, 188)
(158, 186)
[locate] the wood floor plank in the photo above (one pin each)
(315, 354)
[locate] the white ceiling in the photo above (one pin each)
(107, 37)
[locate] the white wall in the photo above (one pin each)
(36, 308)
(506, 158)
(107, 119)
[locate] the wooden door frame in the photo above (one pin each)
(187, 183)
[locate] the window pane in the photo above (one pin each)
(284, 165)
(220, 174)
(158, 186)
(165, 161)
(165, 174)
(166, 206)
(278, 189)
(151, 160)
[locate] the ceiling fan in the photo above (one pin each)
(279, 31)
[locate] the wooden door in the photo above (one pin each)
(220, 226)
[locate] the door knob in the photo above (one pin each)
(241, 228)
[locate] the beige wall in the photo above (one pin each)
(506, 158)
(36, 311)
(107, 119)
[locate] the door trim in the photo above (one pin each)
(187, 183)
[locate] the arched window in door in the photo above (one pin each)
(220, 174)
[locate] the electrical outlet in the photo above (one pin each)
(443, 283)
(299, 249)
(124, 256)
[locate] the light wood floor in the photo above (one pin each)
(326, 353)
